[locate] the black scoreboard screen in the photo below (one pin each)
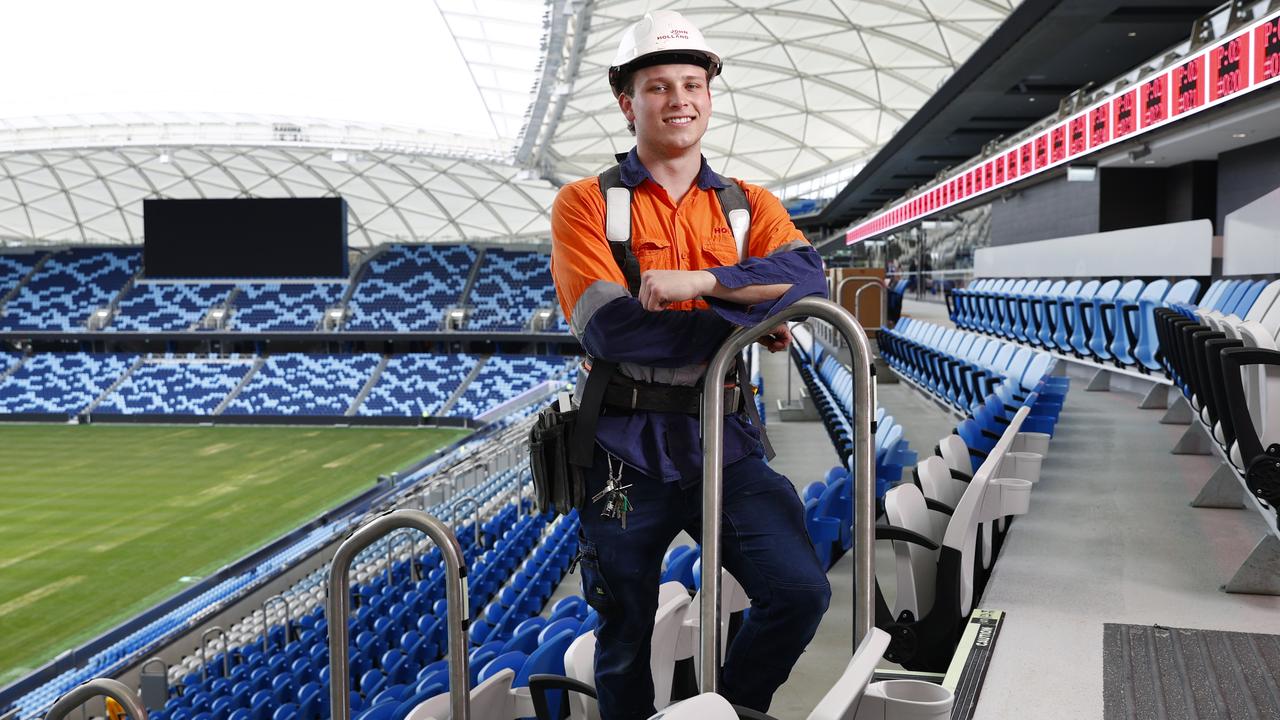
(245, 238)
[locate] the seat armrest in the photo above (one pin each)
(890, 532)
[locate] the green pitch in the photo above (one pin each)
(99, 522)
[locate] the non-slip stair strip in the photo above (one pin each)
(1153, 672)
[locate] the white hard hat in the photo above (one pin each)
(661, 37)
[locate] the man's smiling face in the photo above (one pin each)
(670, 107)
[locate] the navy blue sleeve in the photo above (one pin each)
(623, 331)
(801, 268)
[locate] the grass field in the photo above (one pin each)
(99, 522)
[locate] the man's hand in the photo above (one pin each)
(660, 288)
(779, 339)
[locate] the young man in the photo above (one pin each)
(693, 288)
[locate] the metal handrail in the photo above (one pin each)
(391, 541)
(863, 474)
(266, 624)
(204, 658)
(338, 612)
(475, 506)
(884, 302)
(82, 693)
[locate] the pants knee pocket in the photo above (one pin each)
(594, 586)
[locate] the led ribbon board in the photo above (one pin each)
(1219, 72)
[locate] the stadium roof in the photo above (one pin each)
(811, 89)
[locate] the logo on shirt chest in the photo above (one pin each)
(719, 230)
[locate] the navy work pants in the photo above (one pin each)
(764, 545)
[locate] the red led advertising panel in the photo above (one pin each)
(1266, 59)
(1224, 69)
(1155, 101)
(1229, 67)
(1099, 125)
(1188, 85)
(1124, 113)
(1058, 143)
(1078, 135)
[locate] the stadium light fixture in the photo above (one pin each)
(1082, 173)
(164, 158)
(1137, 154)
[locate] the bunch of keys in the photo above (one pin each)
(616, 503)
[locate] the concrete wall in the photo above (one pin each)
(1244, 175)
(1051, 209)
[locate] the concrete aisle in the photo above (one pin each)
(1110, 538)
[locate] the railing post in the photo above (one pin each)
(339, 607)
(266, 624)
(884, 302)
(113, 689)
(475, 508)
(226, 651)
(713, 473)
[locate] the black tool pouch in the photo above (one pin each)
(562, 446)
(557, 482)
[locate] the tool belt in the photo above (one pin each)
(562, 441)
(625, 394)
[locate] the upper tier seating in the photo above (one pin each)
(283, 307)
(1106, 322)
(63, 383)
(175, 387)
(510, 286)
(503, 377)
(14, 267)
(166, 307)
(407, 288)
(417, 385)
(70, 286)
(298, 384)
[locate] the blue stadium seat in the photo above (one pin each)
(168, 387)
(61, 383)
(512, 284)
(166, 307)
(407, 288)
(298, 384)
(416, 385)
(69, 287)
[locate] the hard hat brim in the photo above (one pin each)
(706, 61)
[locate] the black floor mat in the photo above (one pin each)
(1154, 672)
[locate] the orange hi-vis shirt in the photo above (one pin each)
(693, 235)
(672, 346)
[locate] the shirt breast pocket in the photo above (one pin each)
(653, 253)
(720, 250)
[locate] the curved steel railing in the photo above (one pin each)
(475, 513)
(113, 689)
(204, 656)
(391, 544)
(863, 474)
(266, 624)
(869, 280)
(339, 607)
(884, 302)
